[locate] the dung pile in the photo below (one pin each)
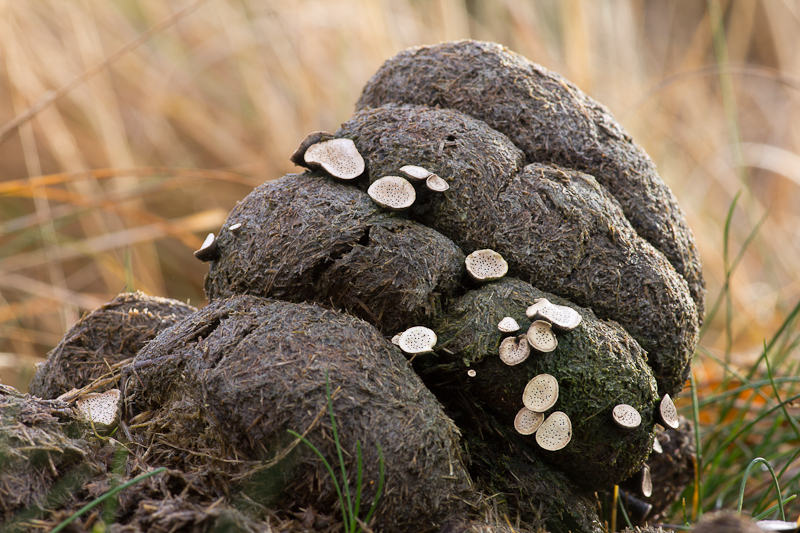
(589, 280)
(102, 339)
(551, 121)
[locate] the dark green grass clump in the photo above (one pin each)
(229, 382)
(38, 439)
(552, 121)
(557, 228)
(597, 365)
(307, 238)
(108, 335)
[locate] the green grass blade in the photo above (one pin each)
(351, 524)
(772, 509)
(100, 499)
(774, 481)
(697, 504)
(328, 468)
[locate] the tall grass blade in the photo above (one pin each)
(763, 461)
(100, 499)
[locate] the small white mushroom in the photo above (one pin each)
(508, 325)
(527, 422)
(234, 228)
(415, 173)
(436, 183)
(209, 250)
(560, 316)
(396, 339)
(471, 373)
(647, 482)
(392, 192)
(298, 157)
(417, 340)
(668, 415)
(626, 416)
(538, 304)
(657, 446)
(555, 432)
(541, 393)
(514, 350)
(541, 336)
(100, 408)
(338, 157)
(486, 265)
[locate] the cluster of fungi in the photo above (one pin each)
(473, 195)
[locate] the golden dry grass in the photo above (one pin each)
(230, 87)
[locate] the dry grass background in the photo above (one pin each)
(226, 92)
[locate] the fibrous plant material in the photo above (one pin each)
(103, 338)
(552, 121)
(298, 157)
(100, 408)
(527, 422)
(417, 340)
(602, 455)
(555, 432)
(667, 414)
(308, 238)
(337, 157)
(514, 350)
(558, 229)
(209, 250)
(218, 382)
(541, 393)
(486, 265)
(40, 440)
(508, 325)
(436, 183)
(392, 192)
(541, 336)
(415, 173)
(626, 416)
(560, 316)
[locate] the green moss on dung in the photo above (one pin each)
(597, 365)
(552, 121)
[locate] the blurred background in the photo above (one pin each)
(124, 168)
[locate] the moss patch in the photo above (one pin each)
(597, 366)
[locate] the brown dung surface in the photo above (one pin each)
(108, 335)
(552, 121)
(229, 381)
(307, 238)
(557, 228)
